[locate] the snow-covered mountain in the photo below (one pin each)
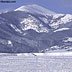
(33, 28)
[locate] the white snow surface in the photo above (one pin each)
(68, 39)
(32, 23)
(66, 19)
(61, 29)
(34, 8)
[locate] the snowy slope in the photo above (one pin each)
(34, 9)
(33, 28)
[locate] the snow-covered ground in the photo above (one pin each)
(43, 62)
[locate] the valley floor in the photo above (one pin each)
(36, 62)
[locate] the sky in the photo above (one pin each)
(58, 6)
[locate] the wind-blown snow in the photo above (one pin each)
(61, 29)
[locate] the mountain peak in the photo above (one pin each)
(34, 8)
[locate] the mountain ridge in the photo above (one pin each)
(34, 8)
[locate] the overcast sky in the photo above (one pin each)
(58, 6)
